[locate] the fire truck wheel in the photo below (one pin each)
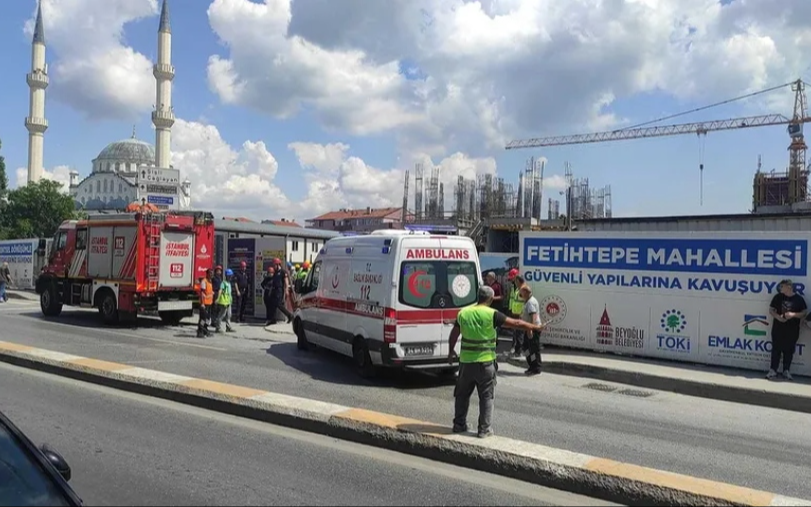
(49, 303)
(108, 307)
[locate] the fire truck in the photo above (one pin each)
(126, 264)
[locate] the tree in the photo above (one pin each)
(36, 210)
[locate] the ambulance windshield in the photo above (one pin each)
(438, 284)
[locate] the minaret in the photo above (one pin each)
(35, 122)
(163, 117)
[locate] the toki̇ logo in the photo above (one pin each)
(673, 338)
(755, 325)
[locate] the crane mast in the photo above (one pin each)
(797, 170)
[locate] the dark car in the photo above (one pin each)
(30, 476)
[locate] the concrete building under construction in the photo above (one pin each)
(489, 207)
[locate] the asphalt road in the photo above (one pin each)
(750, 446)
(127, 449)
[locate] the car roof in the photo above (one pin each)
(36, 458)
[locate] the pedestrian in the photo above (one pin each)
(492, 282)
(241, 291)
(5, 282)
(206, 303)
(281, 285)
(477, 361)
(532, 342)
(268, 297)
(223, 304)
(516, 307)
(216, 282)
(788, 310)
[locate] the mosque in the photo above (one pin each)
(124, 171)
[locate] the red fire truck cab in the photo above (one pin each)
(127, 264)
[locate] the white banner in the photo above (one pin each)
(695, 297)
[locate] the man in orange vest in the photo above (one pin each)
(206, 303)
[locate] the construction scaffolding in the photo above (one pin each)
(490, 196)
(778, 189)
(553, 209)
(584, 202)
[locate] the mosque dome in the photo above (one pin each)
(124, 156)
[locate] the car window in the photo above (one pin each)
(23, 481)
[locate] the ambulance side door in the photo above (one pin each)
(334, 303)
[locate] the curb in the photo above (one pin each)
(762, 398)
(555, 468)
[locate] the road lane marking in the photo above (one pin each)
(633, 477)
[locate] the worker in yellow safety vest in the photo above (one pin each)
(477, 360)
(516, 308)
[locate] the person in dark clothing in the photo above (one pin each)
(216, 282)
(241, 292)
(268, 297)
(282, 286)
(788, 310)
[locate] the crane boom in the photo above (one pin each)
(658, 131)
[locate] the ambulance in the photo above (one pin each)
(388, 299)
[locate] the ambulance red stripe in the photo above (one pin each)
(427, 316)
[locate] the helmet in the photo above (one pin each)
(277, 261)
(512, 274)
(229, 272)
(298, 266)
(243, 264)
(218, 268)
(306, 265)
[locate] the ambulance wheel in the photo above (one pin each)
(301, 336)
(108, 307)
(49, 302)
(362, 358)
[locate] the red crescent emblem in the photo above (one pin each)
(414, 284)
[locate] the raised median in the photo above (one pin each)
(611, 480)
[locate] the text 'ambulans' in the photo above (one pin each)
(741, 256)
(439, 254)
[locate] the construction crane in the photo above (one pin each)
(797, 149)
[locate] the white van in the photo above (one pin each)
(389, 298)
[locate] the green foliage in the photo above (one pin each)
(36, 210)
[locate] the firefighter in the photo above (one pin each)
(267, 296)
(223, 304)
(206, 303)
(240, 283)
(281, 287)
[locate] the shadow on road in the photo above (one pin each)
(325, 365)
(91, 319)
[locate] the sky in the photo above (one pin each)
(291, 108)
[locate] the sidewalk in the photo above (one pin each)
(22, 294)
(726, 384)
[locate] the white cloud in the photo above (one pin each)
(495, 69)
(92, 68)
(60, 173)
